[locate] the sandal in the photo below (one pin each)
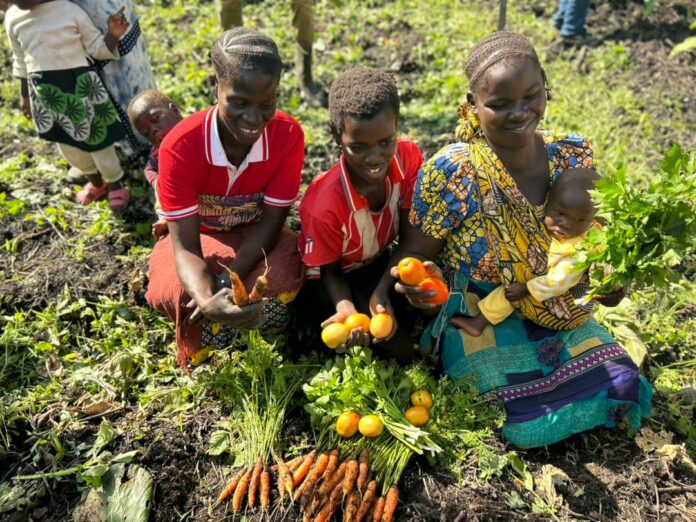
(89, 193)
(118, 199)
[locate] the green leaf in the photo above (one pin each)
(105, 435)
(219, 442)
(93, 476)
(684, 47)
(122, 497)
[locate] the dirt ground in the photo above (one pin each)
(609, 477)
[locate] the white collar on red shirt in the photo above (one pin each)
(355, 200)
(215, 153)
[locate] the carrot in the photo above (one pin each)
(379, 509)
(301, 472)
(352, 506)
(239, 492)
(265, 488)
(312, 477)
(259, 287)
(316, 502)
(231, 485)
(260, 284)
(364, 465)
(254, 483)
(390, 504)
(239, 293)
(284, 476)
(291, 464)
(351, 476)
(331, 506)
(330, 482)
(367, 501)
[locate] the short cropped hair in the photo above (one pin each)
(360, 93)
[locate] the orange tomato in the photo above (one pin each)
(335, 334)
(422, 398)
(347, 424)
(358, 321)
(435, 285)
(412, 271)
(371, 426)
(417, 415)
(381, 325)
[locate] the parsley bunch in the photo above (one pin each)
(650, 229)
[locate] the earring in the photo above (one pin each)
(549, 94)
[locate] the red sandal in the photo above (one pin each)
(89, 193)
(118, 199)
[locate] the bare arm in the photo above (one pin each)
(198, 281)
(339, 292)
(25, 104)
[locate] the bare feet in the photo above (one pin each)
(474, 326)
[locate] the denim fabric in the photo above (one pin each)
(570, 17)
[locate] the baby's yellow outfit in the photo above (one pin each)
(559, 277)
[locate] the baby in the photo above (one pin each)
(569, 215)
(153, 115)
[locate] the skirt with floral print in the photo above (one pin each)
(73, 107)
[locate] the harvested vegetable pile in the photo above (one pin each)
(650, 229)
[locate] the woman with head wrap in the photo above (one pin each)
(227, 178)
(479, 205)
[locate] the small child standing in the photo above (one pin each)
(351, 214)
(570, 214)
(154, 114)
(53, 43)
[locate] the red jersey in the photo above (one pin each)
(195, 177)
(337, 223)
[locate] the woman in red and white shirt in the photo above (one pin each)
(227, 179)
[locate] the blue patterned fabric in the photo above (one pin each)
(126, 77)
(551, 383)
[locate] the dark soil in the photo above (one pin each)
(609, 477)
(648, 42)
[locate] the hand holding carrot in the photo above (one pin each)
(220, 308)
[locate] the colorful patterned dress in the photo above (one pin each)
(553, 381)
(126, 77)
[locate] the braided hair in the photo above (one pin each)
(360, 93)
(243, 49)
(499, 47)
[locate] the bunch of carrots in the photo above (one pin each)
(240, 297)
(321, 482)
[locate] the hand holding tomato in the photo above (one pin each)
(417, 296)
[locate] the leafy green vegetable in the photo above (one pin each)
(650, 229)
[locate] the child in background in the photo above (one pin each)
(352, 213)
(52, 43)
(153, 115)
(569, 215)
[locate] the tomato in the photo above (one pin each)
(381, 325)
(417, 415)
(347, 424)
(422, 398)
(335, 335)
(371, 426)
(412, 271)
(435, 285)
(358, 321)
